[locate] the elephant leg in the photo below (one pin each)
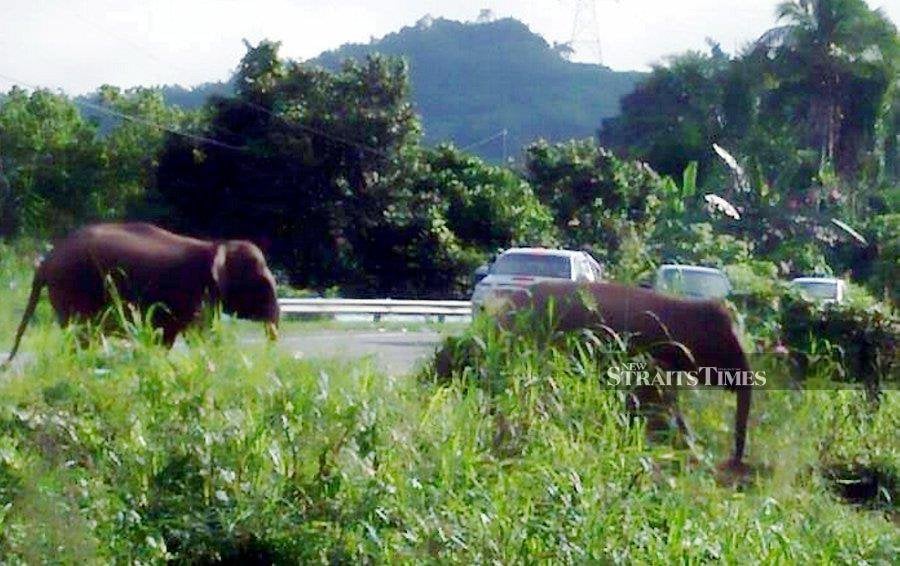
(651, 404)
(172, 327)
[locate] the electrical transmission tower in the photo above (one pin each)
(586, 31)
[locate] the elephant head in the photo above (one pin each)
(245, 285)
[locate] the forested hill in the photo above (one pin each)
(472, 80)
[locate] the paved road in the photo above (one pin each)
(395, 352)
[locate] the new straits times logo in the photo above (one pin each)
(639, 373)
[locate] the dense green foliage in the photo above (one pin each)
(809, 110)
(57, 172)
(812, 95)
(450, 208)
(628, 215)
(325, 170)
(51, 161)
(863, 339)
(300, 173)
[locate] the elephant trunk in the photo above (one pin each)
(272, 322)
(272, 331)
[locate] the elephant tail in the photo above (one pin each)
(36, 287)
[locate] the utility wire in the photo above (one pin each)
(502, 133)
(316, 131)
(130, 118)
(309, 129)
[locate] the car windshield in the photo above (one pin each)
(701, 284)
(536, 265)
(818, 289)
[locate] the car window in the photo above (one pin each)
(700, 284)
(594, 267)
(818, 289)
(586, 272)
(536, 265)
(580, 273)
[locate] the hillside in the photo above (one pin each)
(471, 81)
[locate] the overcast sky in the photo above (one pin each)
(80, 44)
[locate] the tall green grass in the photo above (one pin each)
(121, 451)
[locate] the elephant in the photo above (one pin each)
(680, 334)
(148, 266)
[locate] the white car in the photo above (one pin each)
(824, 289)
(692, 281)
(518, 268)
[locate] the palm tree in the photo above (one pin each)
(846, 57)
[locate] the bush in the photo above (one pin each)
(864, 339)
(451, 212)
(597, 199)
(700, 244)
(757, 296)
(885, 231)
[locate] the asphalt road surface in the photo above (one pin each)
(395, 352)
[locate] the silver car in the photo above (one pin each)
(517, 268)
(824, 289)
(692, 281)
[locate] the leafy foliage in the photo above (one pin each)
(303, 180)
(809, 108)
(50, 167)
(221, 452)
(863, 337)
(56, 169)
(450, 211)
(595, 197)
(672, 117)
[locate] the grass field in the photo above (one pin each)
(125, 452)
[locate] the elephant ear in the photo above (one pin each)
(219, 275)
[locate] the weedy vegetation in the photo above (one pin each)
(122, 451)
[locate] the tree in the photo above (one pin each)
(842, 57)
(597, 199)
(300, 154)
(450, 212)
(52, 163)
(674, 116)
(132, 146)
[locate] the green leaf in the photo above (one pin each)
(689, 180)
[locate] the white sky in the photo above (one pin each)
(80, 44)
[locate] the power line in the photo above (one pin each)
(211, 141)
(309, 129)
(316, 131)
(501, 133)
(14, 81)
(304, 127)
(290, 123)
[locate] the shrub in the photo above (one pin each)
(757, 297)
(863, 338)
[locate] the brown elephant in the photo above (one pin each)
(664, 326)
(148, 266)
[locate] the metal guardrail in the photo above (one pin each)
(375, 307)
